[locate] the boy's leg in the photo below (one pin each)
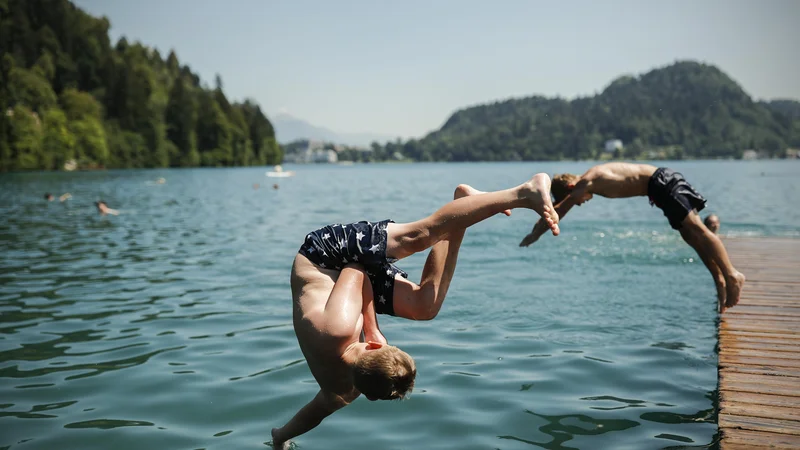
(409, 238)
(708, 245)
(424, 300)
(716, 272)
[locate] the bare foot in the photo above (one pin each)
(537, 190)
(277, 444)
(465, 190)
(733, 287)
(721, 295)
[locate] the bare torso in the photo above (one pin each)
(311, 287)
(619, 179)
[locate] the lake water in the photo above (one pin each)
(169, 326)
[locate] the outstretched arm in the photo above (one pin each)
(370, 327)
(309, 416)
(542, 227)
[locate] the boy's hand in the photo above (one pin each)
(375, 336)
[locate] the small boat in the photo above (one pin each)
(277, 172)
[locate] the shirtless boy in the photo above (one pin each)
(667, 190)
(344, 274)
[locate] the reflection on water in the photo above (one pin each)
(169, 326)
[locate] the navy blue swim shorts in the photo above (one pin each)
(335, 246)
(671, 192)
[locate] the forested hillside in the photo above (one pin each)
(68, 93)
(685, 110)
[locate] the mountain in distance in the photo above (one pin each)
(684, 110)
(289, 129)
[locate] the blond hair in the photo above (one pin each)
(386, 373)
(560, 185)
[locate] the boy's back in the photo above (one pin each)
(619, 179)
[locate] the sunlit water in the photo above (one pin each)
(168, 326)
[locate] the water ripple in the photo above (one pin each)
(169, 326)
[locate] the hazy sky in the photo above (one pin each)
(403, 67)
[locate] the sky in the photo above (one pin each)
(402, 68)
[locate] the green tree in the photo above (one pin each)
(181, 120)
(80, 105)
(58, 143)
(28, 88)
(90, 141)
(26, 139)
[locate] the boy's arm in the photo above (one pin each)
(370, 325)
(307, 418)
(345, 303)
(542, 227)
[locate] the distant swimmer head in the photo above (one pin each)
(275, 186)
(49, 197)
(562, 184)
(712, 223)
(103, 208)
(384, 372)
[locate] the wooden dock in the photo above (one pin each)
(759, 348)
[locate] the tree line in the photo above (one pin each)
(68, 94)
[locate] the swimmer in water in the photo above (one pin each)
(712, 223)
(103, 208)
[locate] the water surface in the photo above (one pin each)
(169, 327)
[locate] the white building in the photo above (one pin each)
(749, 155)
(315, 152)
(613, 145)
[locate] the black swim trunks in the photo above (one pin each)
(335, 246)
(671, 192)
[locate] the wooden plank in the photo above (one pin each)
(763, 370)
(788, 338)
(726, 359)
(760, 353)
(736, 439)
(765, 411)
(759, 326)
(773, 346)
(746, 302)
(759, 309)
(786, 293)
(760, 424)
(766, 380)
(774, 314)
(757, 388)
(759, 399)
